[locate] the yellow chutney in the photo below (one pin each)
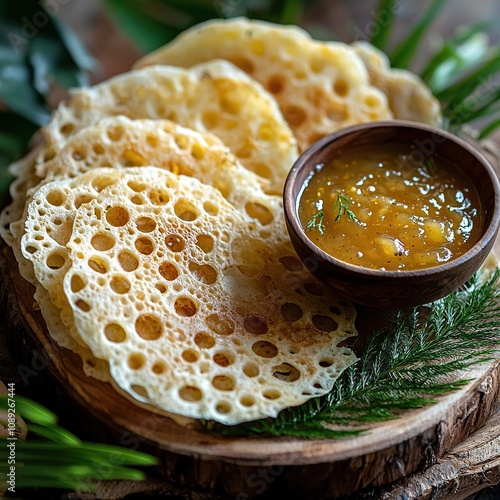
(377, 208)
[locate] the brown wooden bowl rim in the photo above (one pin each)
(290, 202)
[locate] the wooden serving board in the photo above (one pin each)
(246, 467)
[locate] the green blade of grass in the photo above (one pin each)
(124, 456)
(146, 32)
(463, 88)
(30, 410)
(474, 108)
(403, 53)
(55, 433)
(384, 21)
(489, 129)
(453, 59)
(292, 12)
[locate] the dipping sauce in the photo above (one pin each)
(375, 207)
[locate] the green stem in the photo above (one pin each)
(402, 55)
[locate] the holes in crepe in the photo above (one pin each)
(55, 198)
(190, 394)
(77, 284)
(271, 394)
(135, 186)
(120, 284)
(266, 133)
(372, 101)
(80, 200)
(102, 182)
(115, 133)
(223, 359)
(82, 305)
(102, 242)
(223, 383)
(247, 400)
(251, 370)
(98, 265)
(98, 149)
(275, 84)
(78, 154)
(198, 152)
(259, 212)
(185, 210)
(132, 158)
(66, 129)
(313, 289)
(265, 349)
(144, 245)
(152, 141)
(291, 312)
(115, 333)
(230, 105)
(210, 208)
(325, 363)
(117, 216)
(341, 87)
(218, 325)
(55, 260)
(159, 367)
(128, 261)
(243, 63)
(223, 407)
(140, 391)
(254, 324)
(148, 327)
(210, 119)
(291, 263)
(145, 224)
(294, 115)
(158, 197)
(204, 273)
(185, 307)
(174, 243)
(324, 323)
(168, 271)
(286, 372)
(205, 243)
(261, 169)
(190, 356)
(136, 361)
(204, 340)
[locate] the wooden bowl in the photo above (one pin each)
(394, 289)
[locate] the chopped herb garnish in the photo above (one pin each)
(316, 222)
(430, 166)
(340, 207)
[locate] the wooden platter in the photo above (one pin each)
(247, 467)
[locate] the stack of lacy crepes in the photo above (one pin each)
(149, 218)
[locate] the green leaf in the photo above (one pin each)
(292, 12)
(54, 433)
(454, 58)
(489, 129)
(384, 21)
(148, 33)
(403, 53)
(18, 93)
(30, 410)
(465, 86)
